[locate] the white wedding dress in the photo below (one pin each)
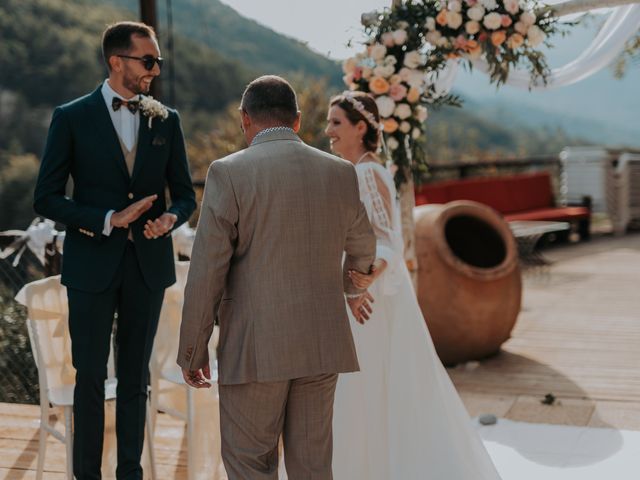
(400, 417)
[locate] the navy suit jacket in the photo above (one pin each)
(83, 144)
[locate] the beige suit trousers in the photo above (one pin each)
(253, 415)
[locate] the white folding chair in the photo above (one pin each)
(163, 363)
(47, 324)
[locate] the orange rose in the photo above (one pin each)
(515, 41)
(378, 85)
(441, 19)
(471, 45)
(498, 38)
(390, 125)
(474, 51)
(413, 95)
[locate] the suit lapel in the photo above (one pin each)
(144, 143)
(106, 130)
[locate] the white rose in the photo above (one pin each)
(489, 4)
(378, 52)
(379, 71)
(400, 36)
(416, 133)
(402, 24)
(415, 78)
(454, 6)
(476, 13)
(392, 143)
(443, 42)
(521, 28)
(454, 20)
(492, 21)
(528, 18)
(384, 71)
(387, 39)
(386, 106)
(412, 59)
(511, 6)
(472, 27)
(430, 24)
(422, 113)
(402, 111)
(349, 65)
(390, 60)
(535, 36)
(405, 127)
(433, 37)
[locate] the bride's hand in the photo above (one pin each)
(364, 280)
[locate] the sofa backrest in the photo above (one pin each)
(506, 194)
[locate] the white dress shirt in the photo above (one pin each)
(126, 125)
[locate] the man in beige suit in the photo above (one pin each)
(268, 261)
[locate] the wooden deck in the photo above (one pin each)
(578, 338)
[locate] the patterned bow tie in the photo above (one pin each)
(132, 105)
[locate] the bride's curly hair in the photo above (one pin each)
(360, 106)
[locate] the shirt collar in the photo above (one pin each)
(109, 93)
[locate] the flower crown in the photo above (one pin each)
(358, 105)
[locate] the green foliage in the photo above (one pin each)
(17, 181)
(630, 57)
(50, 66)
(224, 136)
(18, 373)
(220, 28)
(454, 135)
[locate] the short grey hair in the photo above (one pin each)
(270, 98)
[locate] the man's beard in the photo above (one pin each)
(134, 86)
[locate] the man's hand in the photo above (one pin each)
(160, 226)
(361, 307)
(363, 280)
(123, 218)
(197, 378)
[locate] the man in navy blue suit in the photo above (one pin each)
(123, 151)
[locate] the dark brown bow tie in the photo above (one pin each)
(132, 105)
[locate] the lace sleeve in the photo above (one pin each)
(378, 197)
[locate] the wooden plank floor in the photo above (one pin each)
(578, 337)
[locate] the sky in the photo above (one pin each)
(326, 26)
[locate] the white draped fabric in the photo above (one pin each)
(610, 41)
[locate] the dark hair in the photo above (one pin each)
(371, 138)
(116, 39)
(270, 98)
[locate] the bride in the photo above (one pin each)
(400, 417)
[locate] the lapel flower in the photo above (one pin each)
(152, 108)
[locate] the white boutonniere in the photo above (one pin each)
(152, 108)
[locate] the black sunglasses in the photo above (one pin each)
(148, 61)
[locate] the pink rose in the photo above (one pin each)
(397, 91)
(506, 21)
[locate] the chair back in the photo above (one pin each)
(48, 327)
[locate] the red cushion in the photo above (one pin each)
(551, 214)
(529, 192)
(506, 194)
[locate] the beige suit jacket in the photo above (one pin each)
(276, 219)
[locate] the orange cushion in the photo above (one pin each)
(551, 214)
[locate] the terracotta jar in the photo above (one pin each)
(469, 282)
